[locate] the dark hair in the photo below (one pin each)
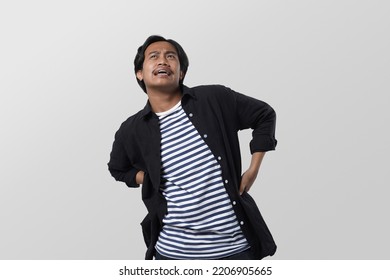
(140, 57)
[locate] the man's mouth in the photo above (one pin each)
(162, 72)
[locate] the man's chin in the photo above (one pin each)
(164, 87)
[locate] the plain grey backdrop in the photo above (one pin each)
(67, 83)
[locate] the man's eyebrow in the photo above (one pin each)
(171, 52)
(158, 52)
(153, 52)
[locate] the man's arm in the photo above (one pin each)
(261, 118)
(119, 164)
(249, 176)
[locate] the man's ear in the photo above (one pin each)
(139, 75)
(182, 75)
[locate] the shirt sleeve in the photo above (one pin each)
(119, 164)
(260, 117)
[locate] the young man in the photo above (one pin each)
(183, 148)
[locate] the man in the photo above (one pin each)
(183, 149)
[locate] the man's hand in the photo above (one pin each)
(249, 176)
(247, 180)
(139, 177)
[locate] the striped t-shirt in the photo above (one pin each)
(200, 222)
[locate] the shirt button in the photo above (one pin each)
(205, 136)
(226, 181)
(234, 202)
(190, 115)
(219, 158)
(242, 223)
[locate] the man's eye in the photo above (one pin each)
(171, 56)
(153, 56)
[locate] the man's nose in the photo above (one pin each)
(162, 61)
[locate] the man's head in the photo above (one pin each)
(160, 62)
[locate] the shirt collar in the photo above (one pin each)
(147, 110)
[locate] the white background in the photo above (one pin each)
(67, 83)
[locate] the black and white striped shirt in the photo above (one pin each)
(200, 222)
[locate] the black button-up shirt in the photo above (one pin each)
(218, 113)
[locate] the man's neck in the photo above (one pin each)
(163, 101)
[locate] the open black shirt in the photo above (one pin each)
(218, 113)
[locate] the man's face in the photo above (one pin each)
(161, 67)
